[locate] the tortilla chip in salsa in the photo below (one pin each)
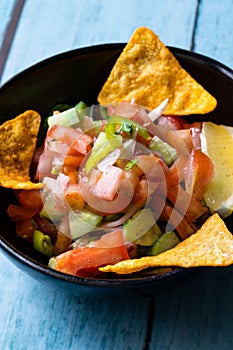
(147, 73)
(17, 145)
(211, 245)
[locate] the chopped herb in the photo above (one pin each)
(130, 164)
(126, 127)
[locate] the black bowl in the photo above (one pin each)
(68, 78)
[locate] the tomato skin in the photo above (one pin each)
(85, 261)
(179, 222)
(104, 207)
(68, 145)
(175, 173)
(18, 213)
(73, 196)
(186, 204)
(25, 229)
(199, 172)
(31, 199)
(195, 130)
(74, 138)
(172, 122)
(181, 140)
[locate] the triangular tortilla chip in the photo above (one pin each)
(147, 73)
(17, 145)
(211, 245)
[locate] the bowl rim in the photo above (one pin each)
(115, 46)
(95, 282)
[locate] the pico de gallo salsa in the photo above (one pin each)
(119, 182)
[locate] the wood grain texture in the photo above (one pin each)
(214, 32)
(197, 314)
(10, 23)
(6, 7)
(34, 316)
(63, 25)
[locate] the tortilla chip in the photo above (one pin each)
(211, 245)
(147, 73)
(17, 145)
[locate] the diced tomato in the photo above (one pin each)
(145, 189)
(178, 222)
(142, 192)
(25, 229)
(171, 122)
(73, 161)
(17, 213)
(151, 166)
(185, 203)
(175, 174)
(31, 199)
(195, 130)
(65, 144)
(99, 205)
(132, 176)
(85, 261)
(71, 137)
(109, 182)
(124, 109)
(45, 164)
(72, 173)
(142, 118)
(199, 172)
(74, 197)
(181, 140)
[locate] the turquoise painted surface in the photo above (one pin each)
(5, 15)
(198, 313)
(214, 33)
(63, 25)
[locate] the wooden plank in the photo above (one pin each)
(9, 13)
(6, 7)
(213, 35)
(74, 24)
(197, 315)
(37, 317)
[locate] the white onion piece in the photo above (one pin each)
(129, 149)
(123, 109)
(132, 210)
(157, 112)
(110, 159)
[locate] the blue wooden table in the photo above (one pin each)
(198, 313)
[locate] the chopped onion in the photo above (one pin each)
(131, 211)
(110, 159)
(157, 112)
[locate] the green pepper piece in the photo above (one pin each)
(80, 108)
(42, 243)
(101, 149)
(165, 242)
(167, 152)
(113, 121)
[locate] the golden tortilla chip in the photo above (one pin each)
(17, 145)
(147, 73)
(211, 245)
